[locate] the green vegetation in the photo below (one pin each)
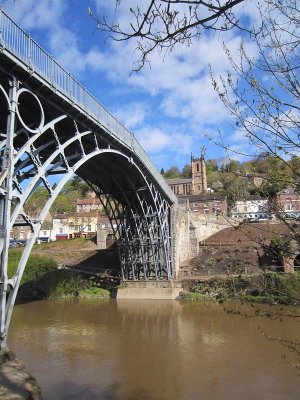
(235, 179)
(94, 291)
(74, 189)
(42, 280)
(194, 296)
(36, 267)
(61, 284)
(269, 288)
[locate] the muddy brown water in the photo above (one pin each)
(154, 350)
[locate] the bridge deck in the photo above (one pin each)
(17, 45)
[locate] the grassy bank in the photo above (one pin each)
(42, 280)
(270, 288)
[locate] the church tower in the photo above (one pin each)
(199, 181)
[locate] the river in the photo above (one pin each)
(153, 350)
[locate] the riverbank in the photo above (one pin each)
(16, 383)
(44, 279)
(268, 288)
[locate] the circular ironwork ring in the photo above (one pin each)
(42, 121)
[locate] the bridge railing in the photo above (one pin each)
(14, 39)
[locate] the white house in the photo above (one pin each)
(60, 227)
(254, 208)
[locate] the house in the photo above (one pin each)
(45, 233)
(288, 203)
(60, 227)
(89, 204)
(206, 204)
(82, 224)
(254, 208)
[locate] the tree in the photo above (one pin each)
(172, 172)
(165, 24)
(233, 166)
(187, 171)
(262, 93)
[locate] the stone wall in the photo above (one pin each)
(188, 229)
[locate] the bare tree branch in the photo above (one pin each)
(164, 24)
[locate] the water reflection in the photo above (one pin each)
(156, 350)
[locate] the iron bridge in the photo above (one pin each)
(51, 128)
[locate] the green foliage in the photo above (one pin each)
(42, 280)
(194, 296)
(172, 172)
(278, 247)
(187, 171)
(285, 288)
(94, 291)
(61, 284)
(235, 180)
(37, 200)
(268, 288)
(74, 189)
(79, 185)
(233, 166)
(36, 266)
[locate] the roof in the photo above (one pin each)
(253, 197)
(89, 201)
(288, 190)
(85, 214)
(178, 181)
(60, 216)
(203, 197)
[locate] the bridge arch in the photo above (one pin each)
(51, 127)
(59, 146)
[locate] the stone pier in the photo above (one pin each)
(189, 229)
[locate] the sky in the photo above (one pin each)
(170, 105)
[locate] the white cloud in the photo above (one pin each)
(34, 14)
(178, 86)
(153, 139)
(49, 17)
(132, 115)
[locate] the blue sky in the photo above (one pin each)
(169, 105)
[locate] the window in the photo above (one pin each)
(288, 207)
(45, 233)
(197, 167)
(60, 230)
(89, 228)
